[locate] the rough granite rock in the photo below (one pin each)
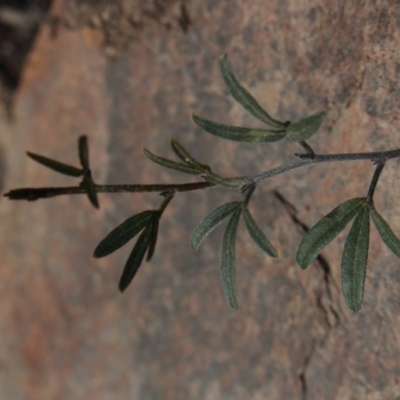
(67, 333)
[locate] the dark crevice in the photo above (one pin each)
(184, 19)
(303, 384)
(328, 309)
(19, 23)
(323, 295)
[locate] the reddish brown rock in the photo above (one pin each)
(66, 330)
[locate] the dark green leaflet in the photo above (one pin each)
(386, 233)
(354, 260)
(184, 155)
(154, 233)
(136, 258)
(325, 230)
(239, 134)
(228, 260)
(56, 165)
(83, 151)
(257, 234)
(306, 127)
(243, 97)
(187, 169)
(90, 188)
(123, 233)
(211, 221)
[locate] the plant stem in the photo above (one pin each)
(309, 151)
(374, 181)
(32, 194)
(165, 202)
(377, 157)
(308, 159)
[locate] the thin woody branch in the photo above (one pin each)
(32, 194)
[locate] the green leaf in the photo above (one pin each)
(153, 238)
(243, 97)
(184, 155)
(354, 260)
(211, 221)
(123, 233)
(187, 169)
(257, 234)
(239, 134)
(228, 260)
(387, 235)
(56, 165)
(83, 151)
(90, 188)
(306, 127)
(325, 230)
(135, 259)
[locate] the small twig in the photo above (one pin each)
(32, 194)
(375, 157)
(307, 148)
(374, 181)
(247, 191)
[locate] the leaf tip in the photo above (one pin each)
(122, 287)
(193, 245)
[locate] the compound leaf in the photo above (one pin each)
(123, 233)
(386, 233)
(354, 260)
(187, 169)
(228, 260)
(56, 165)
(257, 234)
(211, 221)
(306, 127)
(239, 134)
(325, 230)
(243, 97)
(135, 259)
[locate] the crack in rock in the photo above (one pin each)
(324, 296)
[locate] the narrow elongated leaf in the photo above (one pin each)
(184, 155)
(83, 151)
(257, 234)
(325, 230)
(135, 259)
(386, 233)
(354, 260)
(187, 169)
(228, 260)
(305, 128)
(243, 97)
(89, 186)
(123, 233)
(211, 221)
(153, 238)
(56, 165)
(239, 134)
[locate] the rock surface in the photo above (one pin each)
(66, 330)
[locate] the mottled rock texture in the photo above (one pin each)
(67, 333)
